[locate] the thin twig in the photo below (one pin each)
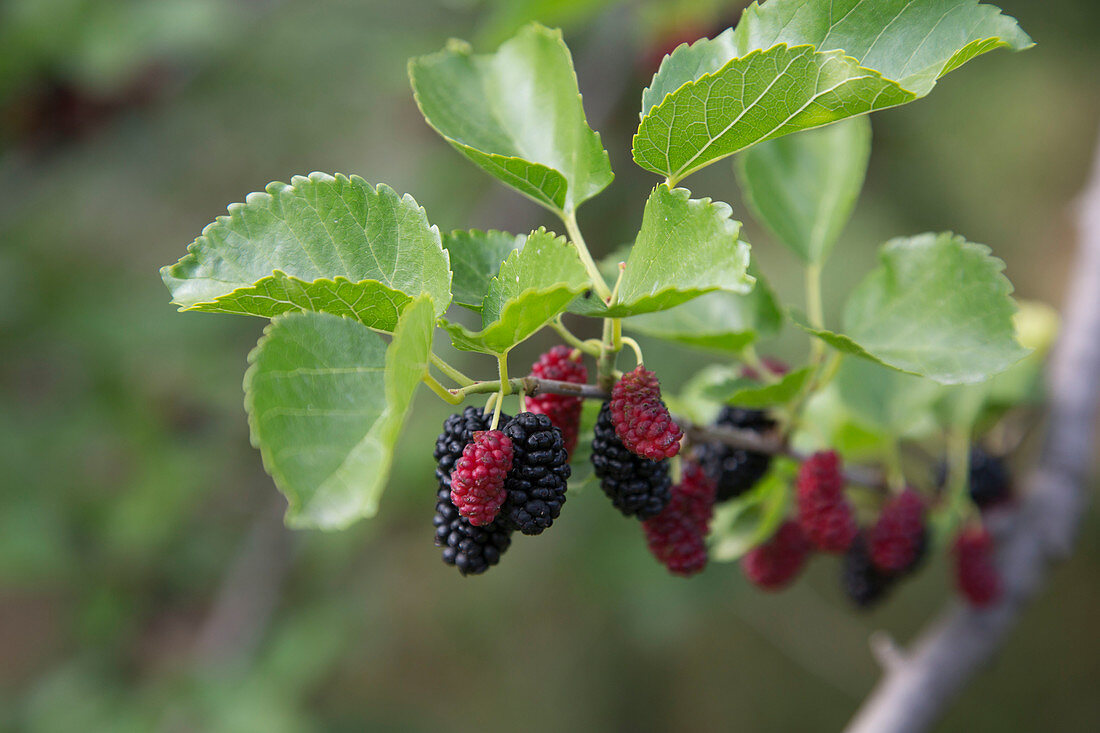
(771, 442)
(913, 694)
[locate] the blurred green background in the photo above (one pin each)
(146, 582)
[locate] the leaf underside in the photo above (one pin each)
(476, 257)
(937, 306)
(719, 321)
(326, 400)
(796, 64)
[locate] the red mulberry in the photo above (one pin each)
(823, 511)
(564, 411)
(477, 482)
(778, 561)
(677, 536)
(641, 419)
(975, 572)
(897, 539)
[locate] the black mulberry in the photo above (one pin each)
(471, 549)
(540, 468)
(636, 486)
(735, 470)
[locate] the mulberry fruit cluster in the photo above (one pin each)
(637, 486)
(492, 483)
(641, 419)
(677, 536)
(990, 482)
(471, 549)
(563, 364)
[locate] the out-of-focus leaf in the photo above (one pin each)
(803, 187)
(937, 306)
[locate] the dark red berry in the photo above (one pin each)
(563, 364)
(477, 482)
(641, 419)
(823, 511)
(778, 561)
(677, 536)
(897, 538)
(976, 574)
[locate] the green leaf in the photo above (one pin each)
(974, 406)
(326, 400)
(828, 423)
(743, 523)
(475, 259)
(517, 113)
(720, 321)
(803, 187)
(742, 392)
(323, 243)
(883, 399)
(534, 284)
(937, 306)
(685, 248)
(796, 64)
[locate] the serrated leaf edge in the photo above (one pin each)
(270, 192)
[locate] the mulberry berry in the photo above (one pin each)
(898, 537)
(823, 511)
(677, 536)
(735, 470)
(540, 468)
(471, 549)
(477, 482)
(990, 483)
(564, 411)
(641, 419)
(775, 563)
(863, 583)
(636, 486)
(976, 574)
